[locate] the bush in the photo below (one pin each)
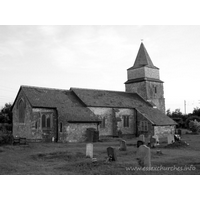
(6, 136)
(194, 126)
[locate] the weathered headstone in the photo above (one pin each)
(141, 138)
(89, 150)
(144, 156)
(89, 135)
(111, 152)
(170, 138)
(139, 143)
(123, 146)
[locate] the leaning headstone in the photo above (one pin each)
(144, 156)
(141, 138)
(123, 146)
(111, 152)
(170, 138)
(89, 150)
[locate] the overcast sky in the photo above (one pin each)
(98, 57)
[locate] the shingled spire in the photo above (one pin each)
(143, 58)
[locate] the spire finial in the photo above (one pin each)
(141, 40)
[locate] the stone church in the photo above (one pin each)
(46, 114)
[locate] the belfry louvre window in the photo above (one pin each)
(126, 120)
(21, 108)
(46, 121)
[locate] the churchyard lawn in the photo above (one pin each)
(70, 158)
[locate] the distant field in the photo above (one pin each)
(69, 158)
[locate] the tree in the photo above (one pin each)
(168, 112)
(196, 111)
(177, 113)
(6, 114)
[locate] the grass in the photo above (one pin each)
(69, 159)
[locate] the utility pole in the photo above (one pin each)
(185, 106)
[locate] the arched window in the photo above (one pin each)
(43, 121)
(61, 129)
(48, 121)
(21, 107)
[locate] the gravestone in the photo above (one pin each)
(89, 135)
(152, 142)
(139, 143)
(143, 156)
(111, 152)
(123, 146)
(141, 138)
(89, 150)
(170, 138)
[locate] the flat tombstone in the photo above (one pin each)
(111, 154)
(144, 156)
(141, 138)
(123, 146)
(89, 150)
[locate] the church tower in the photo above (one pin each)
(144, 79)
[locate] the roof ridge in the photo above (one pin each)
(46, 88)
(102, 90)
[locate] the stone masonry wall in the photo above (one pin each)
(138, 87)
(22, 129)
(43, 133)
(31, 128)
(163, 131)
(150, 130)
(75, 132)
(115, 113)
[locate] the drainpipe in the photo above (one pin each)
(136, 122)
(56, 139)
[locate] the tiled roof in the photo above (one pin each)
(103, 98)
(113, 99)
(72, 104)
(156, 116)
(69, 107)
(143, 59)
